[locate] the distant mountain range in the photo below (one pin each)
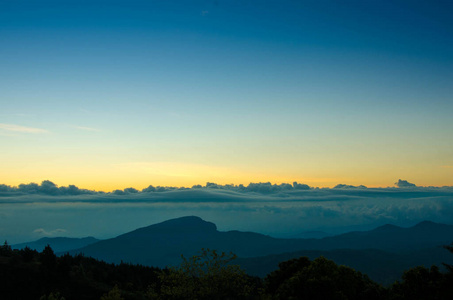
(58, 244)
(162, 244)
(381, 266)
(383, 253)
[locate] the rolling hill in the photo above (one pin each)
(58, 244)
(383, 253)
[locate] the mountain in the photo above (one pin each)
(385, 249)
(426, 234)
(310, 235)
(381, 266)
(58, 244)
(162, 244)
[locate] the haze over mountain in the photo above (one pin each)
(58, 244)
(279, 210)
(389, 237)
(381, 266)
(387, 247)
(162, 244)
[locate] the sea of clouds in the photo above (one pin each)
(31, 211)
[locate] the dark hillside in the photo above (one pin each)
(383, 253)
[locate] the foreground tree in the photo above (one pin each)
(6, 250)
(52, 296)
(113, 294)
(448, 266)
(425, 283)
(320, 279)
(206, 276)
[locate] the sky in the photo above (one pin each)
(114, 94)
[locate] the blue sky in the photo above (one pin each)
(110, 94)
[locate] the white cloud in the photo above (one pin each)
(23, 129)
(43, 232)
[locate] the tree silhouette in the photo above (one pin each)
(319, 279)
(206, 276)
(52, 296)
(6, 250)
(113, 294)
(48, 258)
(448, 266)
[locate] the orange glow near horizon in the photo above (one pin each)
(107, 176)
(98, 183)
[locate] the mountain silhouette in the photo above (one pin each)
(163, 244)
(58, 244)
(381, 266)
(388, 237)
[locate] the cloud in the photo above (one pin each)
(347, 186)
(204, 12)
(404, 184)
(126, 191)
(47, 187)
(283, 212)
(22, 129)
(260, 189)
(5, 188)
(51, 233)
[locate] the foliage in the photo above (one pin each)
(113, 294)
(48, 258)
(52, 296)
(28, 274)
(449, 267)
(206, 276)
(6, 250)
(320, 279)
(422, 283)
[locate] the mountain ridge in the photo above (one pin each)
(386, 247)
(58, 244)
(183, 224)
(163, 243)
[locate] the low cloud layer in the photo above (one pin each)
(286, 210)
(49, 233)
(47, 187)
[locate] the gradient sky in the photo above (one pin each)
(112, 94)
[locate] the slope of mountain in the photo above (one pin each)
(58, 244)
(381, 266)
(390, 238)
(310, 235)
(162, 245)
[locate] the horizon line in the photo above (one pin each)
(48, 186)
